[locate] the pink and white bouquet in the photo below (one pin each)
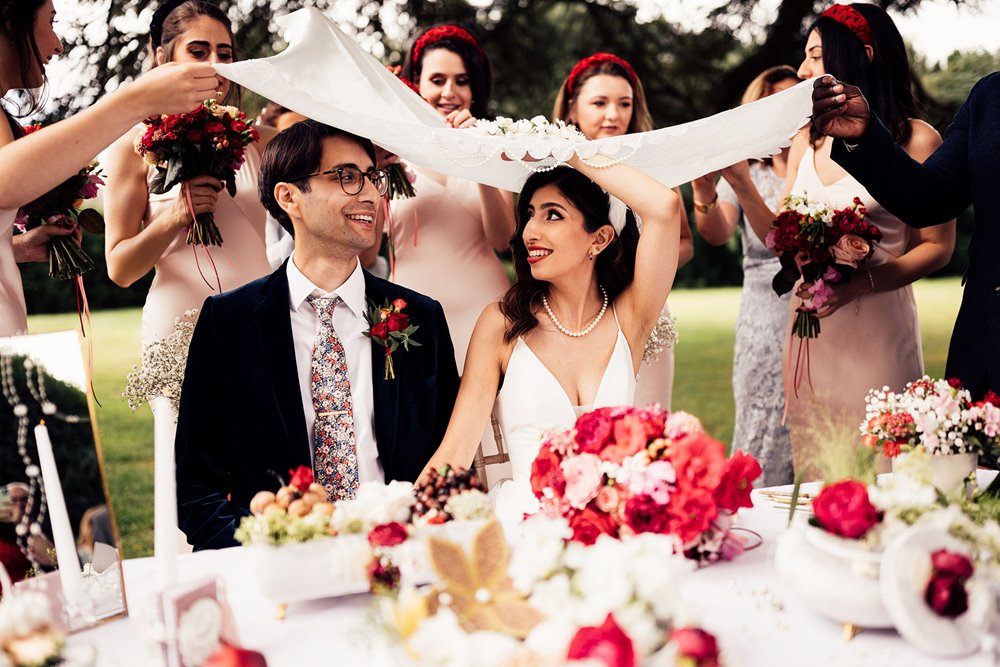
(936, 415)
(624, 471)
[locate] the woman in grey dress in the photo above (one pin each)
(758, 383)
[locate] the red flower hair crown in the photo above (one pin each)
(854, 20)
(443, 32)
(593, 61)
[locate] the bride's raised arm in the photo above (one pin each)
(656, 258)
(478, 391)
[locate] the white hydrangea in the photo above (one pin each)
(375, 504)
(539, 550)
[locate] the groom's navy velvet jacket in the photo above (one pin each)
(241, 422)
(964, 170)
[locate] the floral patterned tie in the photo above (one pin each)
(335, 461)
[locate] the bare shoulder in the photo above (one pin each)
(924, 139)
(492, 323)
(122, 151)
(800, 142)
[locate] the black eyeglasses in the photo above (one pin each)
(352, 179)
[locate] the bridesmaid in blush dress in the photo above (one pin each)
(604, 97)
(447, 236)
(27, 43)
(870, 335)
(147, 230)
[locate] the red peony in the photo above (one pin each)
(696, 645)
(698, 459)
(737, 482)
(302, 477)
(691, 513)
(547, 473)
(387, 535)
(645, 515)
(844, 509)
(946, 593)
(233, 656)
(398, 322)
(607, 644)
(593, 430)
(380, 331)
(590, 524)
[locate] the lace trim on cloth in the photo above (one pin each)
(324, 74)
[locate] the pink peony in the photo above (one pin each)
(680, 424)
(608, 498)
(583, 478)
(630, 436)
(655, 481)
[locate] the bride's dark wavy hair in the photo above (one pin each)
(615, 264)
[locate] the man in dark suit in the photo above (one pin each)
(280, 372)
(964, 170)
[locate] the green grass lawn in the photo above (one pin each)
(706, 319)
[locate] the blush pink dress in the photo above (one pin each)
(869, 343)
(13, 313)
(442, 251)
(178, 285)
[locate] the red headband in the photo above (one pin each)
(445, 32)
(597, 59)
(853, 20)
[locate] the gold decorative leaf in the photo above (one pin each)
(517, 617)
(452, 567)
(481, 593)
(490, 556)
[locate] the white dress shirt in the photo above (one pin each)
(349, 322)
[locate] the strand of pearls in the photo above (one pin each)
(576, 334)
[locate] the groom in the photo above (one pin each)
(280, 372)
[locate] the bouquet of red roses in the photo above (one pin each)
(209, 141)
(821, 245)
(624, 470)
(63, 206)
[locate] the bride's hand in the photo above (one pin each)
(461, 118)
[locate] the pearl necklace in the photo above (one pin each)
(576, 334)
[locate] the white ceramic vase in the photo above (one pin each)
(834, 576)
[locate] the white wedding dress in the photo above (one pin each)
(532, 403)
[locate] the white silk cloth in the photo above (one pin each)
(325, 75)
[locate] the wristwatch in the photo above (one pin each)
(705, 208)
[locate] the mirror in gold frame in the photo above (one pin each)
(44, 382)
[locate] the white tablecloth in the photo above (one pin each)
(757, 622)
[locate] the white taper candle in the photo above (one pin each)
(62, 529)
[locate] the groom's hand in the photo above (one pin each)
(839, 110)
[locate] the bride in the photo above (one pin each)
(568, 336)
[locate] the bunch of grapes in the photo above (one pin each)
(440, 485)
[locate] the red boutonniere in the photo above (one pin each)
(390, 327)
